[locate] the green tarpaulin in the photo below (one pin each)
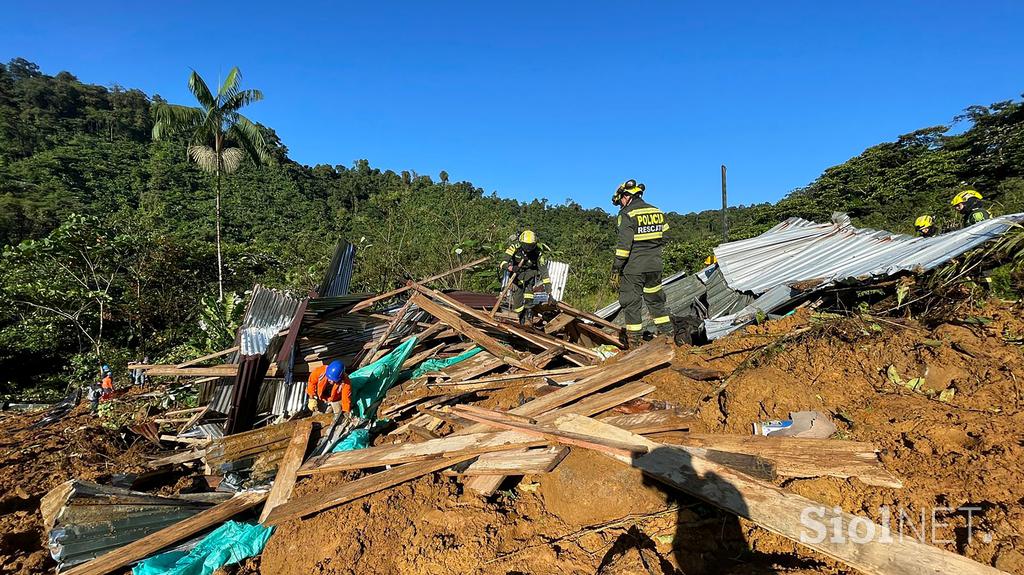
(370, 383)
(437, 364)
(226, 545)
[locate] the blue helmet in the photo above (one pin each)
(335, 371)
(105, 369)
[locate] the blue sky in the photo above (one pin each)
(560, 100)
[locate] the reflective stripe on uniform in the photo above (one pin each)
(528, 295)
(648, 236)
(547, 280)
(519, 309)
(643, 211)
(654, 289)
(634, 326)
(662, 319)
(664, 227)
(622, 253)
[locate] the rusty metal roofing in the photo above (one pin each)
(798, 250)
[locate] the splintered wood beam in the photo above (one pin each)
(368, 302)
(784, 512)
(284, 481)
(485, 341)
(558, 324)
(140, 549)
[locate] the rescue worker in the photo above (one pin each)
(92, 394)
(330, 385)
(107, 382)
(968, 204)
(925, 226)
(638, 266)
(528, 266)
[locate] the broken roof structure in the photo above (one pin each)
(798, 257)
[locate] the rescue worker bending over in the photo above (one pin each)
(925, 226)
(329, 384)
(529, 267)
(638, 265)
(968, 203)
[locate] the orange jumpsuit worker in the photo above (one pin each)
(107, 383)
(330, 384)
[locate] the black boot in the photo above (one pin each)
(525, 316)
(634, 340)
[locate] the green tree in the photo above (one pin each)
(219, 136)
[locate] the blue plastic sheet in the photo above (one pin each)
(226, 545)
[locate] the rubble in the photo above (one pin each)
(453, 396)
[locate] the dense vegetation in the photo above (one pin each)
(109, 235)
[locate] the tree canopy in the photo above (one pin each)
(81, 177)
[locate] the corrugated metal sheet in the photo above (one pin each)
(268, 313)
(800, 251)
(768, 302)
(559, 274)
(339, 273)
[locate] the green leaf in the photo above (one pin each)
(947, 395)
(894, 376)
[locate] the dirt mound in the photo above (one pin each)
(594, 516)
(32, 461)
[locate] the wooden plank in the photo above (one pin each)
(626, 449)
(177, 458)
(501, 296)
(600, 402)
(529, 462)
(784, 512)
(123, 556)
(451, 446)
(359, 488)
(648, 357)
(651, 421)
(537, 338)
(802, 457)
(483, 340)
(558, 324)
(541, 360)
(368, 302)
(422, 356)
(284, 481)
(194, 419)
(224, 370)
(566, 308)
(213, 355)
(184, 411)
(387, 333)
(596, 334)
(701, 374)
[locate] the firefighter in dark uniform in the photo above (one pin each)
(528, 266)
(638, 265)
(968, 204)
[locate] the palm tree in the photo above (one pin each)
(219, 137)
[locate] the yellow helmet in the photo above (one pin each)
(628, 187)
(923, 222)
(962, 197)
(710, 260)
(528, 237)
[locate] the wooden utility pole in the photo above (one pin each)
(725, 204)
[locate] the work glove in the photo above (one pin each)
(312, 405)
(616, 279)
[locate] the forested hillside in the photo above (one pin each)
(109, 235)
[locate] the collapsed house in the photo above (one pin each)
(421, 362)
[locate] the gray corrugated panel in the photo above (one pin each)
(767, 303)
(721, 299)
(92, 519)
(339, 273)
(559, 274)
(679, 296)
(220, 398)
(269, 312)
(289, 398)
(837, 251)
(703, 275)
